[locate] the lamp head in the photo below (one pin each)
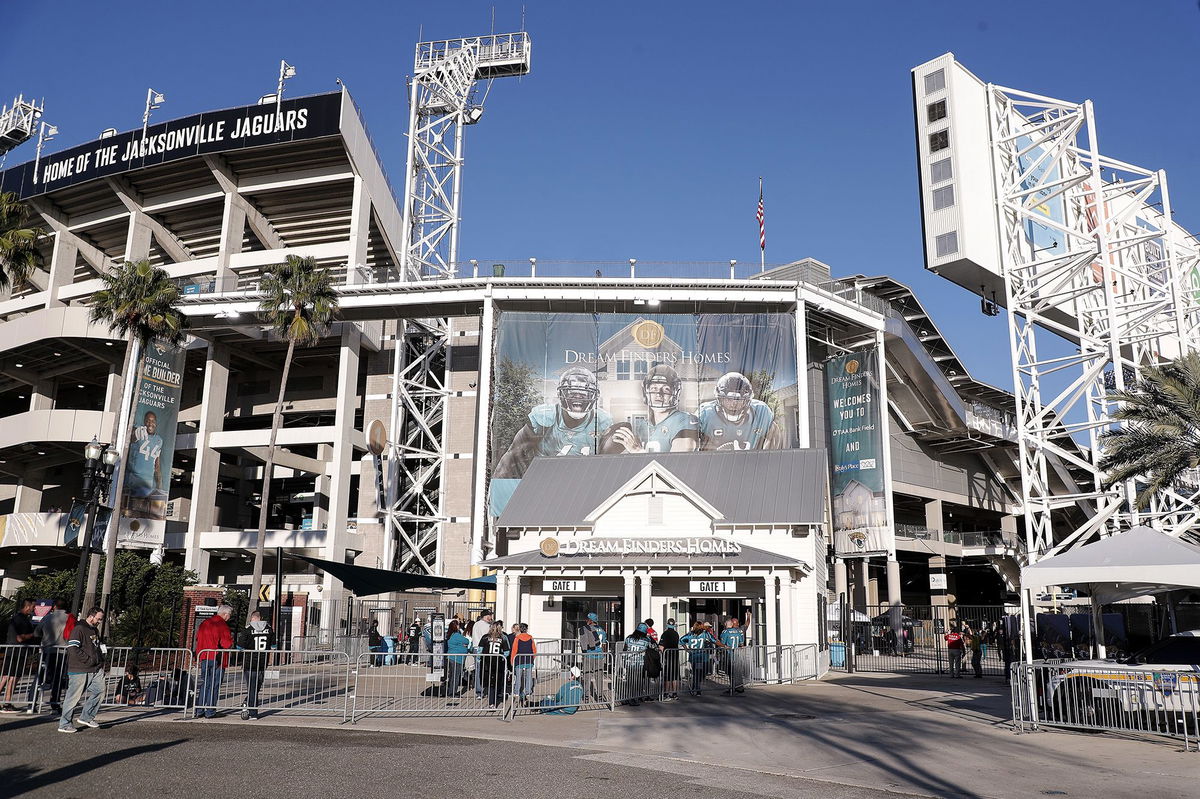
(93, 450)
(110, 457)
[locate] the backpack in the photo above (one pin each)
(652, 665)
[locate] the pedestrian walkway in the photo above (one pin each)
(885, 732)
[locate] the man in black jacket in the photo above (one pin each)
(85, 672)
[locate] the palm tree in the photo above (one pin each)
(1160, 437)
(140, 302)
(299, 303)
(19, 253)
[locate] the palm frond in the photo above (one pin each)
(300, 300)
(139, 300)
(19, 240)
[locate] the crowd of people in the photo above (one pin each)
(483, 657)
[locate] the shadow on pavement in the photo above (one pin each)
(22, 779)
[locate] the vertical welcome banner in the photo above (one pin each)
(860, 523)
(151, 447)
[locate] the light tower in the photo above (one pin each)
(1098, 279)
(442, 103)
(18, 122)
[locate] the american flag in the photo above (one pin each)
(762, 225)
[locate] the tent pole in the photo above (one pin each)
(1027, 645)
(1097, 625)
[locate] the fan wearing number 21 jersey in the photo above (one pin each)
(572, 426)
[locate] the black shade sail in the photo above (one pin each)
(363, 581)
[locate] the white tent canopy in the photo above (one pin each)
(1136, 562)
(834, 613)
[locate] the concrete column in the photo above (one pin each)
(511, 600)
(203, 514)
(322, 485)
(29, 492)
(360, 229)
(786, 633)
(343, 452)
(41, 396)
(771, 595)
(872, 583)
(62, 269)
(137, 237)
(841, 581)
(629, 609)
(233, 231)
(802, 429)
(645, 609)
(893, 581)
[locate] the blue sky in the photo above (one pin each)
(644, 126)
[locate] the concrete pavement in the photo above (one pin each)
(848, 734)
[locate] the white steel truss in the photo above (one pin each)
(442, 103)
(17, 123)
(1100, 275)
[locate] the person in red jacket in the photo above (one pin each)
(955, 646)
(213, 635)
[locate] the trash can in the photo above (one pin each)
(837, 655)
(497, 270)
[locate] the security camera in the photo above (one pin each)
(471, 384)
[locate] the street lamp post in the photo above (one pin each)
(99, 461)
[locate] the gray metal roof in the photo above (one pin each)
(749, 556)
(748, 487)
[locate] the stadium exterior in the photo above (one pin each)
(218, 198)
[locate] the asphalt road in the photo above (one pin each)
(212, 760)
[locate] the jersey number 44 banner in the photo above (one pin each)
(151, 447)
(582, 384)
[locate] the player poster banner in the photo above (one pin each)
(151, 447)
(860, 522)
(582, 384)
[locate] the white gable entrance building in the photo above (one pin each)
(697, 535)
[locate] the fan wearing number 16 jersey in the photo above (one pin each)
(572, 426)
(145, 471)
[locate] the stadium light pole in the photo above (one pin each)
(153, 100)
(286, 71)
(45, 134)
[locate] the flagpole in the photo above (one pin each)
(762, 230)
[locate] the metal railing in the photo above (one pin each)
(433, 685)
(161, 678)
(278, 681)
(20, 668)
(1108, 698)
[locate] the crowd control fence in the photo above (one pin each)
(277, 681)
(328, 682)
(1107, 698)
(432, 685)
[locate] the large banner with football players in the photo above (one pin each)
(582, 384)
(860, 519)
(151, 447)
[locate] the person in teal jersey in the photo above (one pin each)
(633, 662)
(568, 697)
(700, 644)
(457, 647)
(145, 470)
(572, 426)
(733, 637)
(735, 420)
(668, 429)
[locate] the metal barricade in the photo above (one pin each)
(273, 682)
(20, 668)
(148, 679)
(556, 646)
(633, 682)
(692, 672)
(545, 682)
(437, 685)
(806, 662)
(1110, 698)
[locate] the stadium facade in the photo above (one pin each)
(673, 391)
